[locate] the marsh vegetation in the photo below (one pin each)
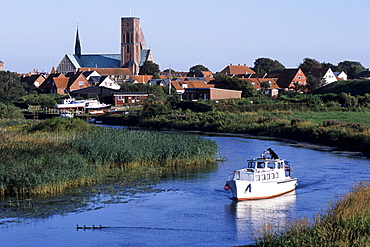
(53, 155)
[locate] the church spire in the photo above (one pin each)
(77, 45)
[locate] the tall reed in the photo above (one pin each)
(47, 162)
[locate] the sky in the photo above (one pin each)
(36, 34)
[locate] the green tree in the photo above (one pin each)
(309, 64)
(193, 71)
(149, 68)
(11, 87)
(329, 65)
(314, 83)
(264, 86)
(234, 83)
(351, 68)
(10, 112)
(267, 65)
(44, 100)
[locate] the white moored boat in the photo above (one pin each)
(263, 177)
(89, 104)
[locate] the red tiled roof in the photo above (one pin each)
(142, 78)
(237, 70)
(197, 84)
(177, 85)
(61, 82)
(206, 73)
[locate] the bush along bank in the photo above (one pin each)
(40, 160)
(345, 136)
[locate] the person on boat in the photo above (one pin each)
(273, 154)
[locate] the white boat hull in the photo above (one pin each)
(250, 190)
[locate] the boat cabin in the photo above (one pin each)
(262, 170)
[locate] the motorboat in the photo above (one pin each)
(70, 103)
(96, 112)
(89, 104)
(95, 104)
(264, 177)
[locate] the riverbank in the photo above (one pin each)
(353, 138)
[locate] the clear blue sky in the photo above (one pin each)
(215, 33)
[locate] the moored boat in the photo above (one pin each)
(89, 104)
(66, 114)
(264, 177)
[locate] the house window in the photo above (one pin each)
(119, 97)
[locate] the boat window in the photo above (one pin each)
(272, 175)
(261, 165)
(271, 165)
(257, 177)
(277, 175)
(246, 176)
(263, 177)
(251, 165)
(268, 176)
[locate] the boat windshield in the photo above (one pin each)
(251, 164)
(271, 165)
(241, 175)
(261, 164)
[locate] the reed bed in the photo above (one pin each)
(42, 162)
(346, 223)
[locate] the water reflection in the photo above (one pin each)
(251, 215)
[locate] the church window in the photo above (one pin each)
(128, 37)
(128, 49)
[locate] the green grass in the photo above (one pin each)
(346, 117)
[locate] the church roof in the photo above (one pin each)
(145, 55)
(96, 60)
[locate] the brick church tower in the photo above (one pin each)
(132, 43)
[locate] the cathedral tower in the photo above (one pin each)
(132, 42)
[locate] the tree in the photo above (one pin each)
(43, 100)
(314, 83)
(309, 64)
(264, 86)
(329, 65)
(267, 65)
(10, 112)
(351, 68)
(234, 83)
(11, 87)
(149, 68)
(193, 71)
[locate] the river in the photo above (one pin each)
(192, 210)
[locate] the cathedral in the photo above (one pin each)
(133, 52)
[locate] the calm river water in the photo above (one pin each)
(194, 210)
